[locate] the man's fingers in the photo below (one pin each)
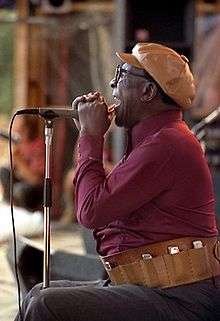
(77, 123)
(78, 100)
(90, 97)
(96, 94)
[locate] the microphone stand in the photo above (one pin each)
(48, 114)
(47, 203)
(199, 128)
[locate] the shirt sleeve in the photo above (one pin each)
(101, 199)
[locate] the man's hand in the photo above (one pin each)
(75, 104)
(93, 114)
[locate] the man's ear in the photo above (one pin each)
(149, 92)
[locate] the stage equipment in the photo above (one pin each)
(63, 265)
(49, 114)
(155, 21)
(15, 138)
(199, 129)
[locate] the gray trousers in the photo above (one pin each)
(99, 301)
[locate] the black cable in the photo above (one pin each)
(12, 218)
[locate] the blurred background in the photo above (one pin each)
(54, 50)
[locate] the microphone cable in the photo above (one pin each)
(12, 218)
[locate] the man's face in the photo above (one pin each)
(128, 87)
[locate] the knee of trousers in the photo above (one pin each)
(38, 304)
(38, 307)
(34, 292)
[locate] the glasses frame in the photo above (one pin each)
(118, 72)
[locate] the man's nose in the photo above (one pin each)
(113, 83)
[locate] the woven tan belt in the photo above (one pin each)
(166, 264)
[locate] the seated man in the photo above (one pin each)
(28, 161)
(153, 215)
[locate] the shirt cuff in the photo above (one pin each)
(90, 147)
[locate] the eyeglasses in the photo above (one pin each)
(118, 74)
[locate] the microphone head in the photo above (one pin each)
(50, 113)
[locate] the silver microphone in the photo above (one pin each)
(50, 112)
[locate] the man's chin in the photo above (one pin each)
(122, 123)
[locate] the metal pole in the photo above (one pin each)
(47, 203)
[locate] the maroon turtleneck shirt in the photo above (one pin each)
(161, 190)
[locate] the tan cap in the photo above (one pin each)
(170, 70)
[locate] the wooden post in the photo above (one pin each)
(21, 54)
